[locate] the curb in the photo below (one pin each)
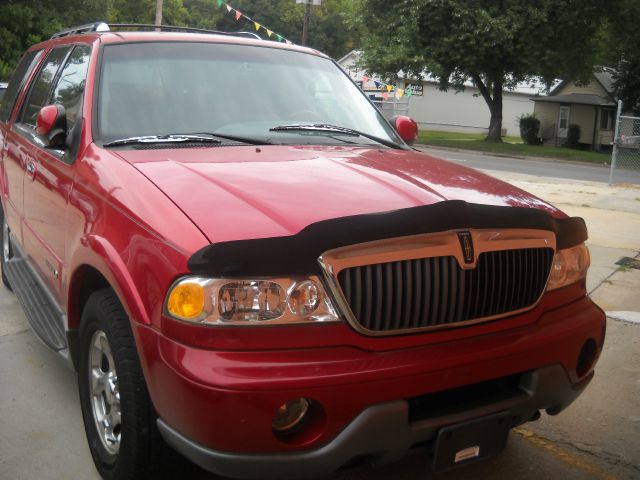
(629, 317)
(517, 157)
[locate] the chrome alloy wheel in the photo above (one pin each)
(105, 395)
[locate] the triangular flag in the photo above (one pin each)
(238, 14)
(279, 38)
(408, 92)
(385, 96)
(257, 26)
(219, 3)
(269, 32)
(399, 93)
(376, 83)
(389, 88)
(365, 79)
(228, 8)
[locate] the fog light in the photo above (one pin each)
(290, 415)
(587, 357)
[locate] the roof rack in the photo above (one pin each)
(104, 27)
(89, 27)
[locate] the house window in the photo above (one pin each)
(607, 119)
(564, 117)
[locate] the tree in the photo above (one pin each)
(493, 43)
(22, 22)
(331, 31)
(626, 81)
(620, 50)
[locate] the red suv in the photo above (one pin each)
(244, 260)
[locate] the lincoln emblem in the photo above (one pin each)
(466, 243)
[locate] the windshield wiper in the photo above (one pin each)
(186, 138)
(172, 138)
(239, 138)
(324, 127)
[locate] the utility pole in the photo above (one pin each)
(307, 18)
(158, 14)
(305, 25)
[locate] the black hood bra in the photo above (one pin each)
(298, 254)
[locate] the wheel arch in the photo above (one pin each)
(97, 265)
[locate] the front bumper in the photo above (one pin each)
(381, 433)
(216, 406)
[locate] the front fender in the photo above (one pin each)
(97, 253)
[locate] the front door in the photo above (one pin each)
(563, 122)
(48, 184)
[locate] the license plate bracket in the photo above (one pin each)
(467, 442)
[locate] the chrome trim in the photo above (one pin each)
(6, 246)
(440, 244)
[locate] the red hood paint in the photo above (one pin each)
(235, 193)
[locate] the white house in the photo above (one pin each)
(464, 111)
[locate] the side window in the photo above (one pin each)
(69, 90)
(41, 87)
(16, 84)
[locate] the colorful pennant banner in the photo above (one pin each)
(258, 26)
(398, 93)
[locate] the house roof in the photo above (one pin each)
(577, 98)
(604, 76)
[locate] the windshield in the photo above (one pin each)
(245, 91)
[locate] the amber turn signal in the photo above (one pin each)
(186, 300)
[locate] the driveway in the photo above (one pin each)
(597, 438)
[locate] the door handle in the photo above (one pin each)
(31, 170)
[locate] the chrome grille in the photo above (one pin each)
(431, 292)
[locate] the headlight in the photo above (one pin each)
(213, 301)
(569, 266)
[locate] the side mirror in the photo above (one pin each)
(51, 125)
(406, 127)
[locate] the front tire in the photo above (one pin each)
(119, 419)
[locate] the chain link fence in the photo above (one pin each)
(626, 145)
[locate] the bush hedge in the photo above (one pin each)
(529, 127)
(573, 136)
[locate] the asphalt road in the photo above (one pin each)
(537, 167)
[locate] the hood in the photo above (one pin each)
(238, 193)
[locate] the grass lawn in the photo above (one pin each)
(510, 146)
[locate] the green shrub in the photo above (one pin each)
(573, 136)
(529, 127)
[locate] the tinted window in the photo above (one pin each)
(39, 93)
(70, 87)
(17, 83)
(163, 88)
